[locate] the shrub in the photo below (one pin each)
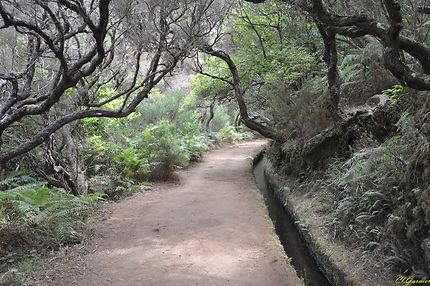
(167, 146)
(34, 218)
(161, 106)
(195, 141)
(169, 135)
(132, 163)
(300, 114)
(221, 119)
(229, 134)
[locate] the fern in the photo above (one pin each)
(36, 204)
(35, 218)
(15, 180)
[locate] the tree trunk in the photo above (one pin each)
(68, 173)
(78, 175)
(333, 77)
(237, 121)
(211, 115)
(64, 177)
(264, 130)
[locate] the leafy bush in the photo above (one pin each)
(163, 134)
(300, 114)
(162, 106)
(34, 218)
(229, 134)
(132, 163)
(166, 146)
(195, 142)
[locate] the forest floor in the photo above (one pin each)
(211, 228)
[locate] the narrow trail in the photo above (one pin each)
(211, 229)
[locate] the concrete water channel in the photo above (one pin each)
(295, 248)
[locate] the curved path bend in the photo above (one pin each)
(211, 229)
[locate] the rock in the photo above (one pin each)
(425, 246)
(378, 100)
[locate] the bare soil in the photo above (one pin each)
(210, 229)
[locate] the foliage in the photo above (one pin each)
(161, 141)
(276, 55)
(14, 180)
(229, 134)
(376, 199)
(164, 134)
(395, 92)
(357, 64)
(34, 205)
(376, 192)
(35, 218)
(222, 118)
(162, 106)
(206, 88)
(131, 162)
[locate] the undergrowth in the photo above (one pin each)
(378, 199)
(164, 135)
(231, 135)
(120, 156)
(36, 220)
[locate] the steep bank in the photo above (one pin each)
(342, 264)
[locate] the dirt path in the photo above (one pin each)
(211, 229)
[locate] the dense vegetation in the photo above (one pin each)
(354, 135)
(341, 88)
(39, 213)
